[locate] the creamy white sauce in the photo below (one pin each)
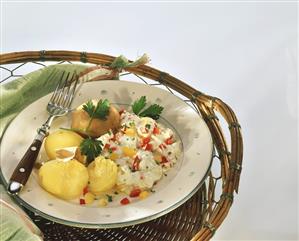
(150, 151)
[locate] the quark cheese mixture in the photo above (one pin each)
(142, 149)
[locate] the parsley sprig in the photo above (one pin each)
(91, 148)
(154, 111)
(100, 111)
(138, 105)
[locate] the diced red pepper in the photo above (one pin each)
(149, 147)
(156, 130)
(136, 163)
(113, 148)
(135, 192)
(169, 141)
(162, 146)
(164, 159)
(107, 146)
(125, 201)
(85, 190)
(82, 201)
(146, 141)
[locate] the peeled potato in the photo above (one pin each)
(102, 175)
(98, 127)
(59, 140)
(65, 180)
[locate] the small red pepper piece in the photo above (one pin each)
(164, 159)
(135, 192)
(156, 130)
(125, 201)
(149, 147)
(146, 140)
(162, 146)
(85, 190)
(107, 146)
(169, 141)
(82, 201)
(113, 148)
(136, 163)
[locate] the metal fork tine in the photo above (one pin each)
(66, 93)
(61, 91)
(57, 92)
(72, 92)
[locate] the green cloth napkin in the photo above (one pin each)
(14, 97)
(21, 92)
(15, 225)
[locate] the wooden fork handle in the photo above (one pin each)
(24, 168)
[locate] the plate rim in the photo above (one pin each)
(110, 225)
(20, 201)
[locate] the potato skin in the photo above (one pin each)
(98, 127)
(102, 175)
(65, 180)
(60, 139)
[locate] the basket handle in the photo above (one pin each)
(231, 160)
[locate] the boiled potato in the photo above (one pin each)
(59, 140)
(98, 127)
(65, 180)
(102, 175)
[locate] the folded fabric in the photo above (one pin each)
(14, 223)
(21, 92)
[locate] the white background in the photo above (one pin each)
(245, 53)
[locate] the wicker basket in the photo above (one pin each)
(198, 218)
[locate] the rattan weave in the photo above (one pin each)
(198, 218)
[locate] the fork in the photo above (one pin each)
(58, 105)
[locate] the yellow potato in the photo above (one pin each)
(65, 180)
(97, 127)
(60, 139)
(102, 175)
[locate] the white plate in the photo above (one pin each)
(173, 190)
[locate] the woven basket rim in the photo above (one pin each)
(230, 156)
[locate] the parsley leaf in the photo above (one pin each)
(109, 197)
(100, 111)
(89, 108)
(152, 111)
(138, 105)
(91, 148)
